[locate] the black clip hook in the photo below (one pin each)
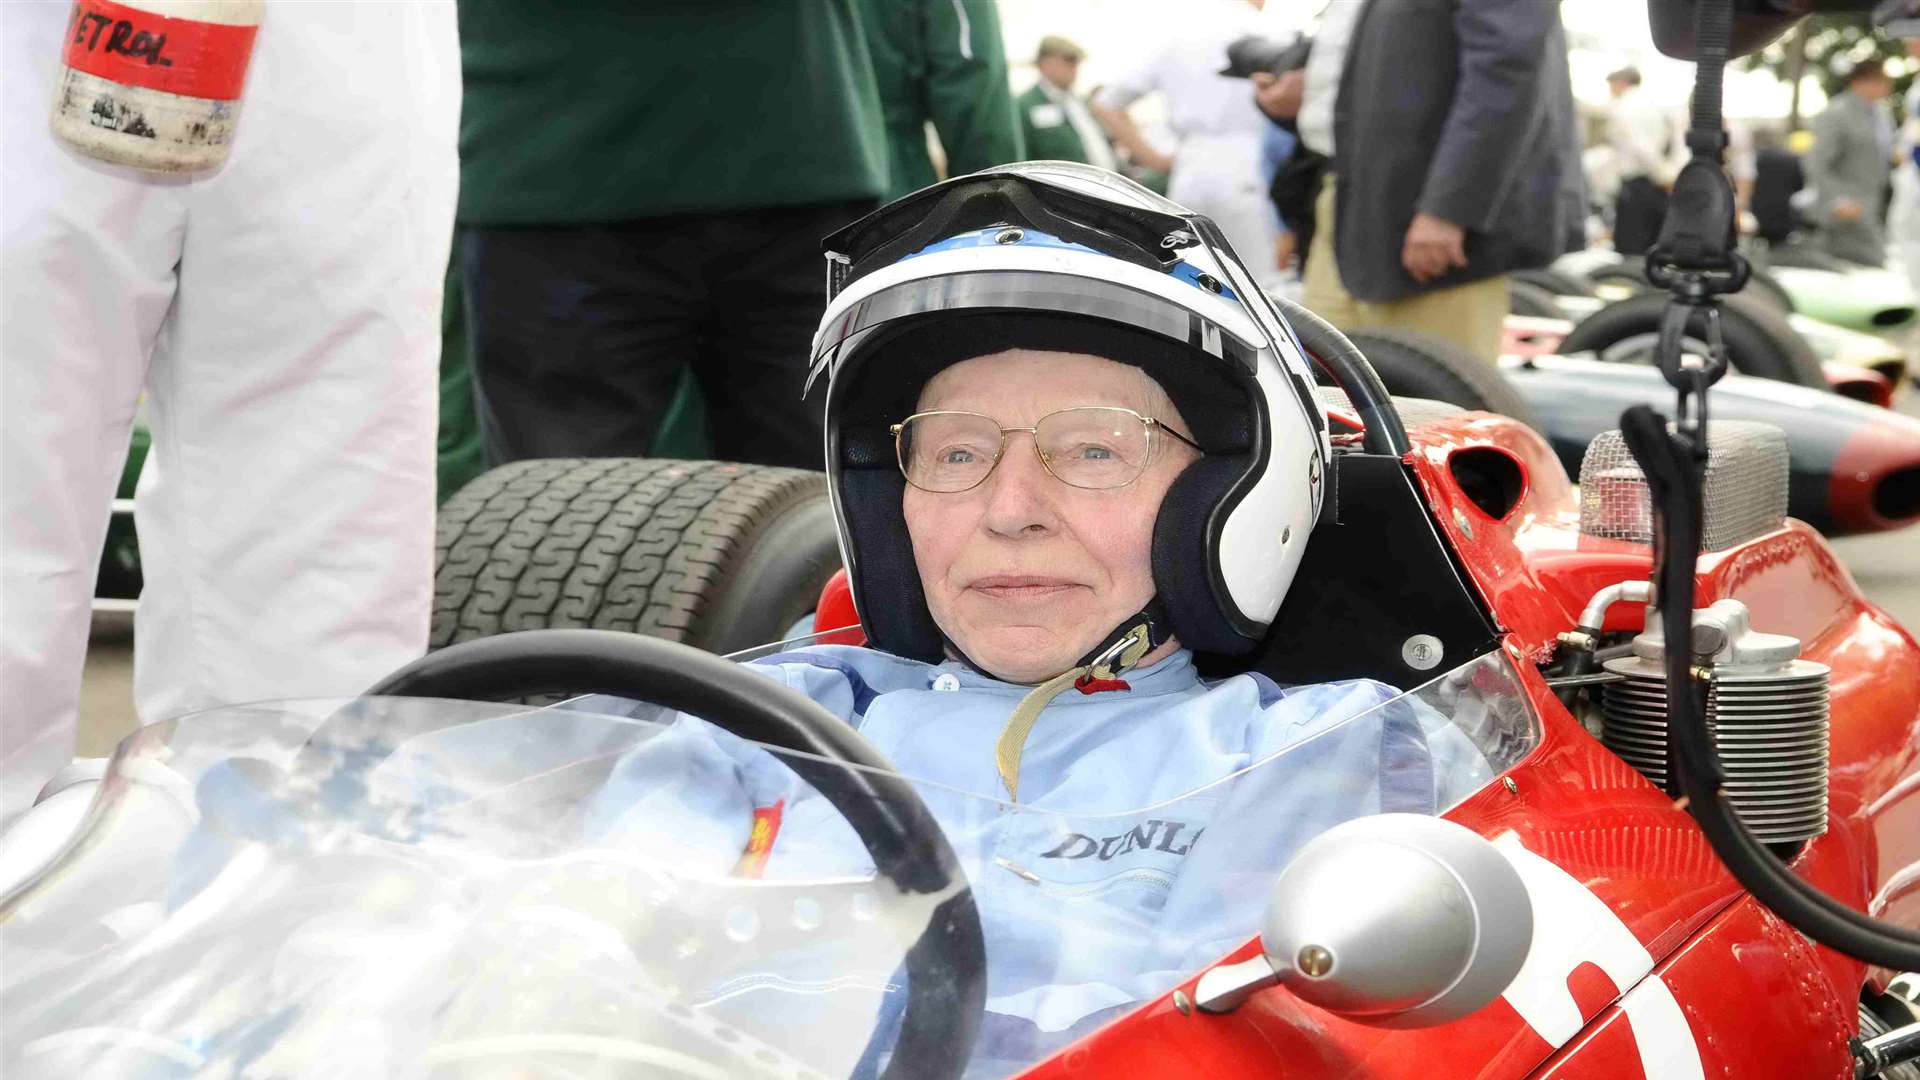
(1691, 374)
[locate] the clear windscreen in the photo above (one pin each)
(421, 888)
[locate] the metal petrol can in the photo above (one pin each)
(154, 84)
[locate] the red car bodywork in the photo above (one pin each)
(1758, 1000)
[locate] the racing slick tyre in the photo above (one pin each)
(1526, 298)
(1418, 365)
(1555, 282)
(712, 554)
(1759, 339)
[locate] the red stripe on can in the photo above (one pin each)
(175, 56)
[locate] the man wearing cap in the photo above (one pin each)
(1057, 124)
(1217, 166)
(1644, 143)
(1850, 163)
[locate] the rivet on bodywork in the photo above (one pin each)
(1460, 522)
(1314, 961)
(1422, 652)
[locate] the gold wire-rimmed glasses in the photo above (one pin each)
(1093, 447)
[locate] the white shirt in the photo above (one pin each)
(1910, 133)
(1643, 138)
(1093, 137)
(1324, 68)
(1201, 102)
(1742, 164)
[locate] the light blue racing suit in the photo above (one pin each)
(1118, 875)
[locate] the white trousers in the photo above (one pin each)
(281, 314)
(1219, 175)
(1903, 221)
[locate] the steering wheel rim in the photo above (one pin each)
(1383, 432)
(946, 967)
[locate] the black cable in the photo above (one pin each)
(1696, 260)
(1674, 467)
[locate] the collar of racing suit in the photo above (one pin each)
(1171, 675)
(1099, 671)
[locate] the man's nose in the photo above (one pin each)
(1020, 491)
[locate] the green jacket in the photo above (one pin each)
(1055, 139)
(593, 111)
(940, 60)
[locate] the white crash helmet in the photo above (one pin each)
(1061, 256)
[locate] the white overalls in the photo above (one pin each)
(281, 315)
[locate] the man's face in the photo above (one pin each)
(1618, 86)
(1873, 87)
(1058, 70)
(1024, 573)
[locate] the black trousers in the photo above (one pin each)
(1638, 212)
(579, 334)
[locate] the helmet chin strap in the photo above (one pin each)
(1100, 669)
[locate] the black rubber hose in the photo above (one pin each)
(946, 967)
(1674, 474)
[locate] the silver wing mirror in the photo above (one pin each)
(1397, 920)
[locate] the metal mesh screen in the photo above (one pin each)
(1746, 486)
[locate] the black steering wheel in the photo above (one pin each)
(1385, 433)
(946, 967)
(1328, 348)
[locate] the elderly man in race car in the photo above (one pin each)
(1064, 457)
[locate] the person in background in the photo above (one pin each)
(1903, 210)
(1217, 169)
(1643, 139)
(1277, 152)
(940, 62)
(1055, 123)
(460, 456)
(1778, 185)
(1850, 164)
(279, 313)
(643, 192)
(1455, 159)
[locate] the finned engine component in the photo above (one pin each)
(1746, 486)
(1766, 709)
(154, 84)
(1884, 1051)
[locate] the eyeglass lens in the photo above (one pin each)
(1088, 448)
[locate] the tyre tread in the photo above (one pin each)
(625, 544)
